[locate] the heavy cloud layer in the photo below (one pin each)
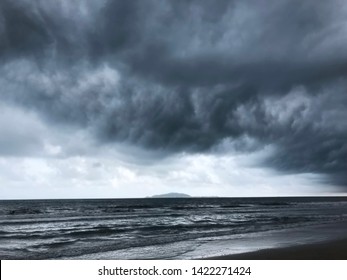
(186, 75)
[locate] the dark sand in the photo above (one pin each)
(331, 250)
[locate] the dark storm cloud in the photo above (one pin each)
(187, 75)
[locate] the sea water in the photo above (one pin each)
(162, 228)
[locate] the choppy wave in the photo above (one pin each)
(23, 211)
(66, 228)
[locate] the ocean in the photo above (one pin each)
(163, 228)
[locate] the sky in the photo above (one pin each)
(108, 98)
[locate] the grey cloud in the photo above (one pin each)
(20, 133)
(186, 75)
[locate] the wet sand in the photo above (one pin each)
(329, 250)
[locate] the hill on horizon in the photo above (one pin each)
(170, 195)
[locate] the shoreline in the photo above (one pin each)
(327, 250)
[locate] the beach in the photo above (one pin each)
(330, 250)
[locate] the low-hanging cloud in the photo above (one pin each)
(186, 75)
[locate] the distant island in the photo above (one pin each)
(170, 195)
